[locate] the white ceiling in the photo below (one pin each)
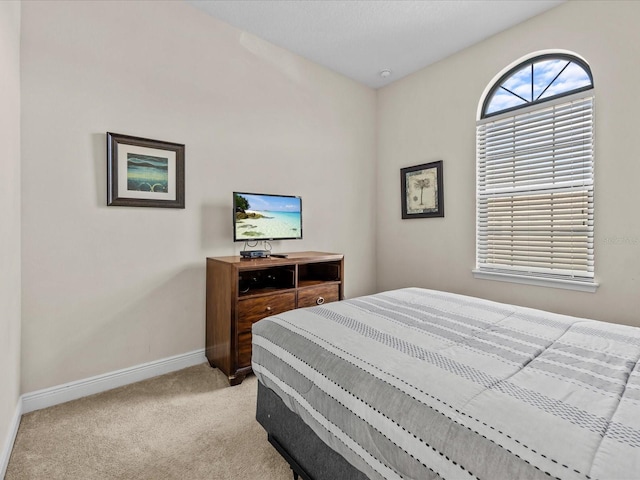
(360, 38)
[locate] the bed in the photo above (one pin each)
(421, 384)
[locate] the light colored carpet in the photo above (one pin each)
(187, 425)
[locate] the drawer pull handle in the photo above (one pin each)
(268, 309)
(320, 300)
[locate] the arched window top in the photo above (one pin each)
(537, 80)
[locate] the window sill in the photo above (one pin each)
(581, 286)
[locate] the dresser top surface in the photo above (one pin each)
(292, 258)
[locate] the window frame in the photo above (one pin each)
(521, 275)
(545, 56)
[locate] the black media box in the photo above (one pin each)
(254, 253)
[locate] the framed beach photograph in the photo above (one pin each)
(422, 190)
(144, 173)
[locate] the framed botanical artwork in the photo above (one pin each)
(144, 173)
(422, 190)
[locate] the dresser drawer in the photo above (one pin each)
(251, 310)
(312, 296)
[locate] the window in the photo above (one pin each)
(535, 175)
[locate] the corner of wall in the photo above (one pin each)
(5, 453)
(10, 229)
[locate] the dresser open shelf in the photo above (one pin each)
(242, 291)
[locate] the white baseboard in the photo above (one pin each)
(11, 438)
(101, 383)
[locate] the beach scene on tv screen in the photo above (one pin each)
(267, 217)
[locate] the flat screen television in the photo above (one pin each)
(262, 216)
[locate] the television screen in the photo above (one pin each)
(260, 216)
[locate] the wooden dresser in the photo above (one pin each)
(242, 291)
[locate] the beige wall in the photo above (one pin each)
(106, 288)
(110, 287)
(431, 116)
(10, 218)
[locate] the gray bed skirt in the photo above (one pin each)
(309, 456)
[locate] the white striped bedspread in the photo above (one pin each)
(420, 384)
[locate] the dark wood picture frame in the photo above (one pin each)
(422, 190)
(144, 173)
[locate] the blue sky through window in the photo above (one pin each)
(548, 77)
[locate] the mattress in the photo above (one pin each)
(420, 384)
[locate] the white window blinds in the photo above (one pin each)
(535, 190)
